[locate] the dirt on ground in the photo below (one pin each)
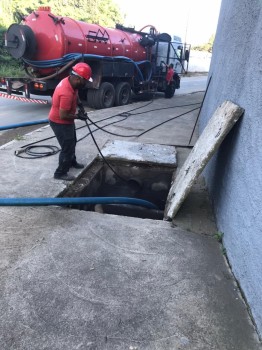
(194, 74)
(9, 135)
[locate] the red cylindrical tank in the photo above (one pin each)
(44, 36)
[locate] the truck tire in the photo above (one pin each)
(105, 96)
(123, 94)
(170, 91)
(91, 98)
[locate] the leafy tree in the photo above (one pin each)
(103, 12)
(207, 46)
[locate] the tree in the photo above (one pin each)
(103, 12)
(206, 47)
(9, 10)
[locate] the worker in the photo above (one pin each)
(169, 92)
(62, 118)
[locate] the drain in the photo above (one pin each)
(139, 181)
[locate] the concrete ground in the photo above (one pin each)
(74, 279)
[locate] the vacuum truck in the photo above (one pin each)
(123, 60)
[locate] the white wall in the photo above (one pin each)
(199, 61)
(234, 175)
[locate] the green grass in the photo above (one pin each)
(10, 68)
(219, 236)
(19, 137)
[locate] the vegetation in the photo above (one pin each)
(9, 67)
(103, 12)
(206, 47)
(219, 236)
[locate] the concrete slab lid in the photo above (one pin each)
(140, 153)
(212, 136)
(72, 279)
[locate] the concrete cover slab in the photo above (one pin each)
(212, 136)
(140, 153)
(72, 279)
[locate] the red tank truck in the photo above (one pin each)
(123, 60)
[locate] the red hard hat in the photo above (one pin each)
(83, 70)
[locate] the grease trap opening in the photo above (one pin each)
(141, 181)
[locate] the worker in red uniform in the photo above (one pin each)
(169, 81)
(62, 116)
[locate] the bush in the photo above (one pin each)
(9, 67)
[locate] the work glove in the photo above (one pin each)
(81, 115)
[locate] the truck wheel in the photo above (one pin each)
(105, 96)
(91, 98)
(123, 94)
(170, 91)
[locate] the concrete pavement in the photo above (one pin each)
(74, 279)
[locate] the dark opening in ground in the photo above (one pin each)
(140, 181)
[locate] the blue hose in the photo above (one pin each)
(75, 56)
(13, 126)
(58, 62)
(21, 202)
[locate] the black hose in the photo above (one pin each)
(199, 110)
(120, 177)
(123, 114)
(34, 155)
(144, 132)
